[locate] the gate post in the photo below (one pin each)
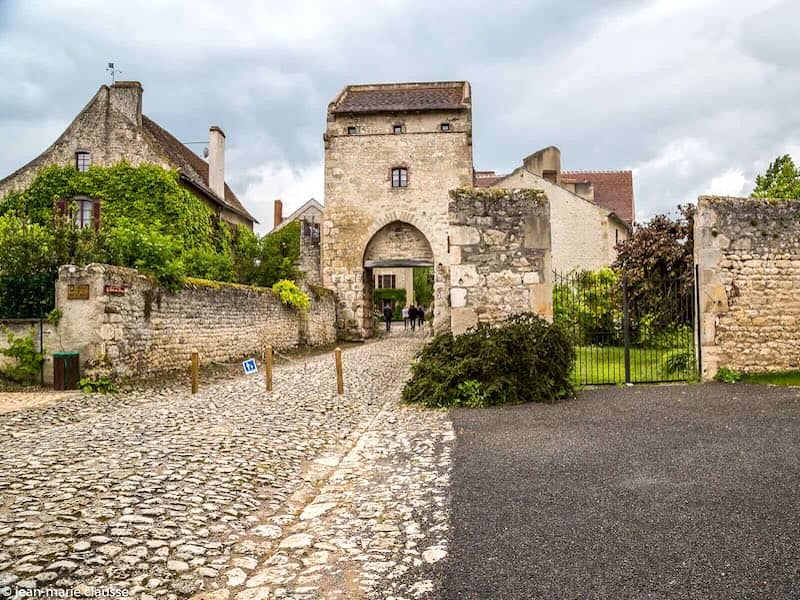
(626, 326)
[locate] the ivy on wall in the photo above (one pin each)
(149, 221)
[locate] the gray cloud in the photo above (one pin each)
(695, 95)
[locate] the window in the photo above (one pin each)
(616, 235)
(386, 281)
(397, 129)
(351, 130)
(445, 126)
(82, 160)
(399, 177)
(82, 211)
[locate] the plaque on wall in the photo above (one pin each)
(114, 290)
(78, 291)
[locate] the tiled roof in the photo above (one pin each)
(486, 178)
(612, 189)
(191, 166)
(397, 97)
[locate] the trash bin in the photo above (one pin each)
(66, 370)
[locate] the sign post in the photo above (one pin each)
(339, 372)
(268, 367)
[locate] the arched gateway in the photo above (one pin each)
(390, 257)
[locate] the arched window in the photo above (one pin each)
(399, 177)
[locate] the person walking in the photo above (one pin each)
(421, 315)
(412, 314)
(387, 316)
(405, 317)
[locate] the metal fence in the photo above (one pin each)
(625, 333)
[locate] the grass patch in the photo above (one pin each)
(597, 365)
(784, 378)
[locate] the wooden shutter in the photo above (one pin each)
(60, 208)
(96, 214)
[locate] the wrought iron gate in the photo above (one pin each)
(628, 334)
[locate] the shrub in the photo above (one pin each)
(29, 360)
(524, 359)
(396, 294)
(726, 375)
(101, 385)
(291, 295)
(589, 303)
(679, 361)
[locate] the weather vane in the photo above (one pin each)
(113, 71)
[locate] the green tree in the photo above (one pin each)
(782, 180)
(658, 254)
(423, 286)
(277, 257)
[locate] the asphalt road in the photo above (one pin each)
(645, 492)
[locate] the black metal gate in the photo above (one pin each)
(625, 333)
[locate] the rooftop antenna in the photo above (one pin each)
(113, 72)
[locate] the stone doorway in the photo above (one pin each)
(394, 251)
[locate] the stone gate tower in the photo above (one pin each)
(392, 153)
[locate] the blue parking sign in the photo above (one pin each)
(250, 366)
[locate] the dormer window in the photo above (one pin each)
(397, 129)
(83, 160)
(399, 177)
(445, 126)
(351, 130)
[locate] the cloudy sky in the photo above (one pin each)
(696, 96)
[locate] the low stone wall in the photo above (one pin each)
(748, 251)
(500, 255)
(123, 324)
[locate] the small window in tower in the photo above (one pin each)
(351, 130)
(445, 126)
(399, 177)
(397, 129)
(82, 161)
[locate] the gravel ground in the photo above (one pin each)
(645, 492)
(164, 494)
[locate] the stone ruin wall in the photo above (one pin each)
(500, 261)
(748, 252)
(144, 330)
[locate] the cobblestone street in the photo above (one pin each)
(232, 493)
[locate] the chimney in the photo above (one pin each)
(126, 98)
(277, 218)
(545, 163)
(216, 161)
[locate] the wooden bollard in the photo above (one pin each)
(268, 367)
(195, 369)
(339, 373)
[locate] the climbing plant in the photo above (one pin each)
(148, 220)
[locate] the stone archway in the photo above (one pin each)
(396, 248)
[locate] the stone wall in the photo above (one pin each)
(748, 252)
(130, 327)
(584, 236)
(309, 262)
(360, 201)
(500, 255)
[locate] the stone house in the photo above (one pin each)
(111, 128)
(590, 211)
(394, 152)
(309, 215)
